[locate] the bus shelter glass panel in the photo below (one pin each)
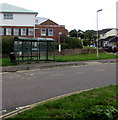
(51, 51)
(43, 50)
(34, 49)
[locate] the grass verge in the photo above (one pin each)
(80, 57)
(85, 57)
(96, 104)
(6, 62)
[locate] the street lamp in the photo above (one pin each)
(60, 33)
(97, 30)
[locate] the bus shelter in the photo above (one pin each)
(34, 49)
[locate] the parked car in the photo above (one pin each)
(111, 48)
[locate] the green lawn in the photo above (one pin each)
(80, 57)
(5, 62)
(96, 104)
(84, 57)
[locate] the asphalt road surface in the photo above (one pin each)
(28, 87)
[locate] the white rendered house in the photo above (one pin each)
(16, 20)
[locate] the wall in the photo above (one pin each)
(79, 51)
(18, 20)
(56, 30)
(111, 33)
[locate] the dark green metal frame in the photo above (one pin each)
(34, 49)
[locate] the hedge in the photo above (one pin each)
(7, 45)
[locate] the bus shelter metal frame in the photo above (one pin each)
(31, 49)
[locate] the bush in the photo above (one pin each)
(86, 42)
(7, 45)
(72, 42)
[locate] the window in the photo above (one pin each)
(36, 21)
(43, 32)
(8, 31)
(30, 31)
(8, 16)
(23, 31)
(1, 31)
(50, 32)
(16, 31)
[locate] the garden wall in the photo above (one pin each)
(79, 51)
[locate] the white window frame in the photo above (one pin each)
(31, 31)
(23, 31)
(16, 31)
(43, 32)
(8, 31)
(1, 31)
(8, 16)
(50, 33)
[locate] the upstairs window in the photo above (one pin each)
(50, 32)
(8, 16)
(36, 21)
(43, 32)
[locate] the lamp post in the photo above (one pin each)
(97, 29)
(60, 33)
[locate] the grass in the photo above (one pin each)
(87, 47)
(80, 57)
(96, 104)
(6, 62)
(85, 57)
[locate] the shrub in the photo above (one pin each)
(7, 45)
(72, 42)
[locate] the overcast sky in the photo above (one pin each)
(74, 14)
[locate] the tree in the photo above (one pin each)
(90, 36)
(75, 33)
(72, 42)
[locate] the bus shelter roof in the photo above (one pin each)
(34, 39)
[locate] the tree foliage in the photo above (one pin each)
(7, 45)
(89, 36)
(72, 42)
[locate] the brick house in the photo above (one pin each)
(48, 28)
(17, 21)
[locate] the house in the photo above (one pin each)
(16, 21)
(106, 36)
(48, 28)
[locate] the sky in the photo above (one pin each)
(74, 14)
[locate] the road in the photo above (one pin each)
(28, 87)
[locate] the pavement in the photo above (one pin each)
(44, 65)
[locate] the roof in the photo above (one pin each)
(40, 20)
(111, 39)
(114, 39)
(4, 7)
(34, 39)
(104, 31)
